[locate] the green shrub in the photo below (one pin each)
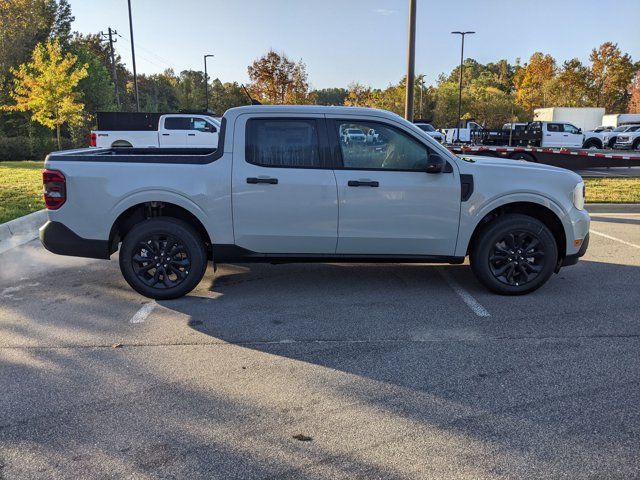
(33, 148)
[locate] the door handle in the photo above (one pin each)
(166, 134)
(191, 134)
(255, 180)
(565, 135)
(363, 183)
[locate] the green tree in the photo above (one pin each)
(46, 87)
(329, 96)
(226, 95)
(570, 87)
(190, 90)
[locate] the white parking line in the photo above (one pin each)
(614, 238)
(466, 297)
(142, 314)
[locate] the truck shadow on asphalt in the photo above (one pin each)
(358, 357)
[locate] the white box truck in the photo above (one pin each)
(615, 120)
(584, 118)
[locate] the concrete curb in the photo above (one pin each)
(613, 207)
(21, 230)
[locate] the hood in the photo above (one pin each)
(469, 163)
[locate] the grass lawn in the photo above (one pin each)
(613, 190)
(20, 189)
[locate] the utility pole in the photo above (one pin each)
(133, 58)
(206, 82)
(411, 62)
(462, 34)
(113, 61)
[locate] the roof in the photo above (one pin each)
(310, 109)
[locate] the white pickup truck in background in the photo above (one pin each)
(148, 130)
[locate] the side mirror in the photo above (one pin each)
(435, 163)
(579, 130)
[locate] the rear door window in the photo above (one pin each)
(283, 142)
(177, 123)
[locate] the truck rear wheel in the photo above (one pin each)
(514, 254)
(163, 258)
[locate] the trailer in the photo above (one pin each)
(572, 159)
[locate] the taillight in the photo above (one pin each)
(93, 140)
(55, 189)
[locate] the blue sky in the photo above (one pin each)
(357, 40)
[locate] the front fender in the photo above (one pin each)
(471, 215)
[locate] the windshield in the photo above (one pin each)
(426, 127)
(620, 129)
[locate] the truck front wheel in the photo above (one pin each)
(514, 254)
(163, 258)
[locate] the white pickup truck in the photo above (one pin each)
(285, 186)
(175, 130)
(538, 134)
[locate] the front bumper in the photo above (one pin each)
(58, 238)
(623, 146)
(573, 259)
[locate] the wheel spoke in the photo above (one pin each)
(146, 256)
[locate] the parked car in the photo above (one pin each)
(609, 138)
(432, 132)
(629, 140)
(124, 129)
(283, 187)
(353, 135)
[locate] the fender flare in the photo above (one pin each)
(152, 195)
(473, 217)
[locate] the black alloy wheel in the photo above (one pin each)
(517, 258)
(514, 254)
(163, 258)
(161, 261)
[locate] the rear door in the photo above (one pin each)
(202, 133)
(173, 131)
(389, 205)
(284, 190)
(553, 135)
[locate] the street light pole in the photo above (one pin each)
(133, 59)
(206, 82)
(411, 61)
(462, 34)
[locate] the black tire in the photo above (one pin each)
(636, 144)
(522, 156)
(534, 257)
(612, 142)
(178, 270)
(595, 144)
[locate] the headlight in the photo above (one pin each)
(577, 196)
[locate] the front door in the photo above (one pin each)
(202, 133)
(388, 204)
(284, 190)
(573, 137)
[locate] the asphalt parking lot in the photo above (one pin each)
(322, 371)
